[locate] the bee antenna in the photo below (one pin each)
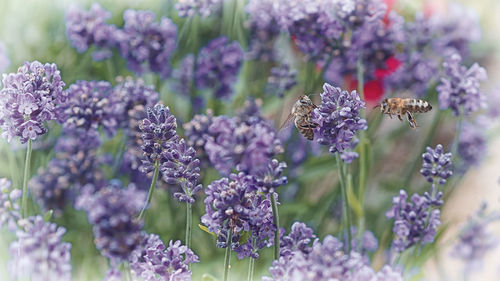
(312, 95)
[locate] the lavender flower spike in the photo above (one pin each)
(436, 165)
(157, 130)
(28, 99)
(84, 28)
(182, 168)
(38, 253)
(153, 261)
(113, 211)
(472, 145)
(339, 119)
(415, 221)
(460, 87)
(204, 8)
(142, 41)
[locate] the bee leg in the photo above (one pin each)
(390, 115)
(411, 120)
(400, 119)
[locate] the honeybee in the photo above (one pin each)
(302, 115)
(402, 106)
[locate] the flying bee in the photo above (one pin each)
(404, 106)
(302, 116)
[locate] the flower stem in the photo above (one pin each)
(189, 222)
(24, 199)
(347, 216)
(251, 264)
(227, 256)
(276, 220)
(151, 189)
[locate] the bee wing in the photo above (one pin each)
(287, 122)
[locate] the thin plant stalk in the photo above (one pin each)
(363, 153)
(151, 189)
(227, 255)
(251, 265)
(189, 222)
(27, 163)
(276, 220)
(346, 215)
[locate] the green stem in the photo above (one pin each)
(189, 222)
(151, 189)
(251, 264)
(24, 199)
(227, 256)
(276, 220)
(347, 216)
(360, 77)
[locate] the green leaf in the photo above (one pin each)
(244, 237)
(353, 200)
(48, 215)
(208, 277)
(204, 228)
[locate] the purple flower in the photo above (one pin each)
(28, 99)
(38, 254)
(248, 148)
(494, 103)
(415, 221)
(281, 80)
(197, 129)
(134, 92)
(84, 28)
(272, 177)
(218, 65)
(327, 261)
(91, 104)
(153, 261)
(456, 29)
(113, 274)
(232, 205)
(4, 58)
(472, 145)
(475, 239)
(369, 242)
(339, 119)
(182, 168)
(299, 239)
(436, 165)
(460, 87)
(113, 211)
(157, 130)
(204, 8)
(142, 41)
(75, 164)
(9, 205)
(263, 30)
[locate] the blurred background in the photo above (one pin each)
(35, 30)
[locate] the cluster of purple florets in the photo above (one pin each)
(339, 119)
(304, 257)
(436, 165)
(235, 209)
(28, 99)
(141, 41)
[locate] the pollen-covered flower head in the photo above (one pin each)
(29, 99)
(218, 65)
(9, 205)
(436, 165)
(182, 168)
(85, 28)
(113, 211)
(459, 89)
(339, 119)
(197, 129)
(157, 130)
(247, 147)
(415, 221)
(154, 261)
(268, 180)
(91, 104)
(39, 252)
(146, 44)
